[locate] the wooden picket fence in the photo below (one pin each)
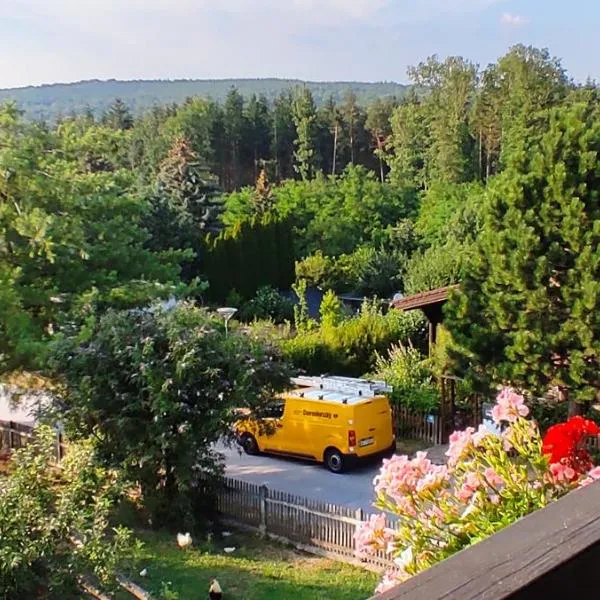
(411, 424)
(313, 526)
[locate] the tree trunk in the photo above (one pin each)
(335, 138)
(276, 151)
(480, 154)
(575, 408)
(379, 151)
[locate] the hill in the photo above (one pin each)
(51, 101)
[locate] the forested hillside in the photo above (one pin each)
(52, 101)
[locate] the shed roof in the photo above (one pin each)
(438, 296)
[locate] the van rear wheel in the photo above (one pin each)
(334, 461)
(249, 444)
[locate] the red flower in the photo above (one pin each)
(563, 443)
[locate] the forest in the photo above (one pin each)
(49, 102)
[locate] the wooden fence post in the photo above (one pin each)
(263, 493)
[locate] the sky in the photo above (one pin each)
(49, 41)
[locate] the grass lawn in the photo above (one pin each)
(257, 570)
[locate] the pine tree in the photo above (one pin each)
(234, 128)
(257, 134)
(284, 135)
(529, 310)
(118, 116)
(306, 158)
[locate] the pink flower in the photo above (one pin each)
(470, 485)
(460, 442)
(493, 479)
(436, 478)
(593, 475)
(562, 473)
(495, 499)
(401, 478)
(373, 535)
(509, 406)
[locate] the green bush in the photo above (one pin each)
(351, 347)
(268, 303)
(54, 522)
(411, 377)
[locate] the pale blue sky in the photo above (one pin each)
(45, 41)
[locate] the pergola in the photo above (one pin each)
(431, 303)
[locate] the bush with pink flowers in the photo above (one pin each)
(489, 482)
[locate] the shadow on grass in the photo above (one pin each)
(257, 570)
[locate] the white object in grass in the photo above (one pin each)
(184, 540)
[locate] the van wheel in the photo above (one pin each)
(334, 461)
(249, 444)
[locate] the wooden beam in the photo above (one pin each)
(552, 549)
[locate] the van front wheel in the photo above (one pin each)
(249, 445)
(334, 461)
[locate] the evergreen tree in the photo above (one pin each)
(304, 111)
(257, 138)
(378, 123)
(118, 116)
(529, 309)
(284, 136)
(234, 128)
(351, 116)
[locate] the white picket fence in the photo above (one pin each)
(317, 527)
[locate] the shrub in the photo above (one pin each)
(351, 347)
(54, 522)
(409, 373)
(268, 303)
(331, 310)
(490, 481)
(157, 389)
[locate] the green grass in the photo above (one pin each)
(257, 570)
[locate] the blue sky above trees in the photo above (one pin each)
(67, 40)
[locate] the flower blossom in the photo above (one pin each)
(400, 477)
(493, 479)
(509, 407)
(593, 475)
(460, 442)
(470, 485)
(562, 473)
(373, 535)
(563, 443)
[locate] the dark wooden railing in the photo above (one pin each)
(552, 553)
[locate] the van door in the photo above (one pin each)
(295, 430)
(272, 435)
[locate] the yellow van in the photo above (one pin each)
(332, 420)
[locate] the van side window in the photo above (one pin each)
(274, 411)
(277, 410)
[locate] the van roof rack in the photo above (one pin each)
(360, 387)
